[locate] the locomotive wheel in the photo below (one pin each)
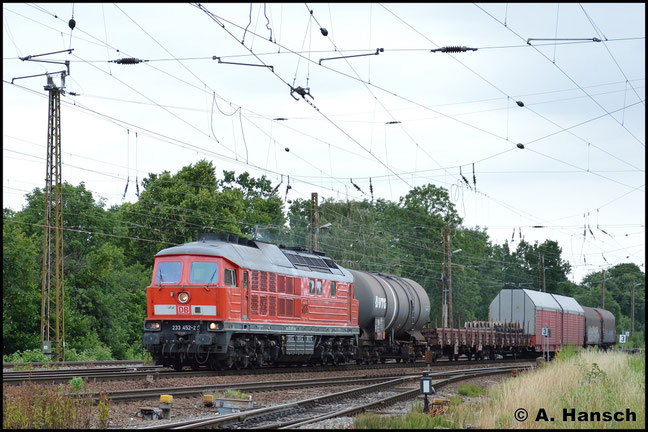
(383, 360)
(229, 361)
(215, 364)
(398, 360)
(177, 366)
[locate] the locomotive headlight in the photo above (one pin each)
(183, 297)
(152, 325)
(213, 326)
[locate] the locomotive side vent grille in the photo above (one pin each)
(297, 308)
(255, 280)
(282, 307)
(289, 285)
(273, 282)
(255, 305)
(282, 283)
(290, 307)
(273, 306)
(264, 305)
(264, 281)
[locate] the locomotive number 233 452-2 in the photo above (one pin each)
(191, 327)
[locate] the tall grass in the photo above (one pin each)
(586, 381)
(32, 406)
(416, 419)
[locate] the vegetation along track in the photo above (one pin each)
(141, 372)
(344, 403)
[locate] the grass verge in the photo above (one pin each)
(582, 382)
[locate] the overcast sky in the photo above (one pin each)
(395, 112)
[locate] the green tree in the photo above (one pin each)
(21, 290)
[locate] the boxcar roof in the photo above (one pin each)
(542, 300)
(569, 304)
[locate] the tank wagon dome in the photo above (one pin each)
(391, 303)
(262, 256)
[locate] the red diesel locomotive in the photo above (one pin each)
(229, 302)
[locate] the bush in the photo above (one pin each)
(77, 385)
(134, 352)
(12, 358)
(32, 355)
(72, 355)
(231, 394)
(98, 353)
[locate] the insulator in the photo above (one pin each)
(454, 49)
(128, 60)
(72, 23)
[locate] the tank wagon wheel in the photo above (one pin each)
(383, 360)
(177, 365)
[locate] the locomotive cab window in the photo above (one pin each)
(311, 287)
(203, 272)
(230, 277)
(168, 272)
(319, 287)
(332, 289)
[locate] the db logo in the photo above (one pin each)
(183, 310)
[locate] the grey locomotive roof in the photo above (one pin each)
(257, 255)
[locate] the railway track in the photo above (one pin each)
(344, 403)
(279, 385)
(64, 375)
(56, 365)
(158, 372)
